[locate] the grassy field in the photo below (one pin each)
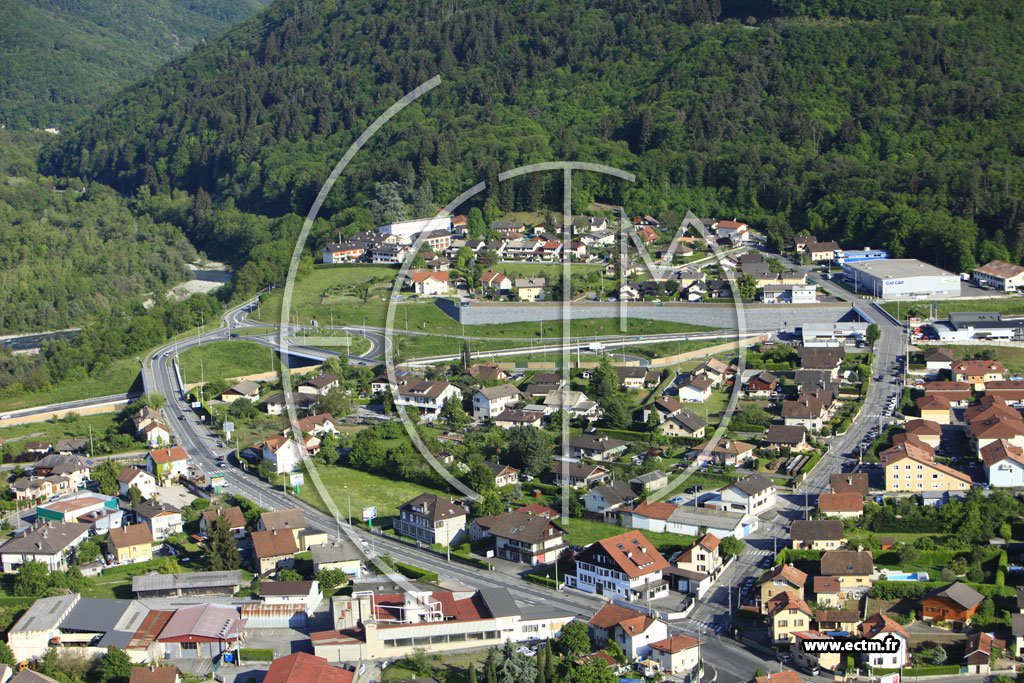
(119, 377)
(1004, 305)
(227, 358)
(333, 290)
(356, 345)
(1010, 356)
(366, 490)
(61, 429)
(583, 532)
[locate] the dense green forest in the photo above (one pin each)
(890, 124)
(75, 254)
(61, 58)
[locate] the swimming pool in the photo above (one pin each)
(916, 576)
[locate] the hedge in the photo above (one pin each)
(944, 670)
(928, 558)
(136, 569)
(892, 590)
(259, 654)
(624, 434)
(788, 555)
(413, 572)
(542, 580)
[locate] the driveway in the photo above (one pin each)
(174, 494)
(283, 641)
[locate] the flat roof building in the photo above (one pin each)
(893, 279)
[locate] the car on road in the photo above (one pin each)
(222, 464)
(233, 335)
(695, 489)
(765, 562)
(676, 501)
(181, 417)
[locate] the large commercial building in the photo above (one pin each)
(409, 229)
(866, 254)
(1008, 277)
(978, 325)
(893, 279)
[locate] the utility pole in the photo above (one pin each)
(92, 451)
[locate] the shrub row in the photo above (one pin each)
(256, 654)
(542, 580)
(414, 572)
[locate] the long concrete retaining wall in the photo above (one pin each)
(97, 409)
(716, 315)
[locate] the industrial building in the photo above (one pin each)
(411, 228)
(866, 254)
(892, 279)
(827, 334)
(980, 325)
(1008, 277)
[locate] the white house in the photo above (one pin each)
(492, 401)
(697, 390)
(162, 519)
(880, 627)
(155, 433)
(428, 283)
(608, 499)
(140, 478)
(626, 566)
(46, 542)
(1004, 463)
(426, 395)
(283, 453)
(687, 520)
(751, 495)
(632, 630)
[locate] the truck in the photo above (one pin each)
(596, 346)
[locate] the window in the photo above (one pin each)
(783, 623)
(190, 646)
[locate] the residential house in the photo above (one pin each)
(713, 369)
(530, 288)
(492, 401)
(130, 544)
(539, 510)
(938, 358)
(778, 580)
(626, 566)
(139, 478)
(429, 283)
(817, 534)
(677, 656)
(697, 390)
(763, 383)
(957, 393)
(155, 434)
(507, 419)
(342, 554)
(291, 520)
(750, 495)
(167, 464)
(1004, 464)
(649, 481)
(733, 231)
(521, 537)
(841, 505)
(828, 591)
(163, 519)
(726, 452)
(503, 474)
(71, 446)
(703, 556)
(608, 499)
(780, 677)
(822, 251)
(880, 627)
(849, 482)
(853, 568)
(275, 404)
(596, 447)
(982, 432)
(487, 372)
(155, 674)
(827, 358)
(788, 612)
(246, 389)
(666, 406)
(831, 620)
(48, 542)
(636, 378)
(577, 475)
(790, 436)
(934, 408)
(427, 396)
(281, 452)
(806, 411)
(38, 447)
(232, 515)
(928, 431)
(978, 372)
(685, 423)
(273, 550)
(978, 652)
(496, 281)
(631, 630)
(956, 603)
(319, 385)
(431, 519)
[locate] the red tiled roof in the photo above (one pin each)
(302, 667)
(633, 554)
(676, 644)
(172, 454)
(840, 502)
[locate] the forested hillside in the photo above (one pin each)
(60, 58)
(890, 124)
(75, 255)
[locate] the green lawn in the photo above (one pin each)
(52, 431)
(226, 358)
(121, 376)
(366, 489)
(583, 532)
(1006, 306)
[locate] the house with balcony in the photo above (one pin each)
(626, 566)
(522, 537)
(777, 580)
(853, 568)
(633, 631)
(880, 627)
(426, 396)
(788, 613)
(490, 402)
(817, 534)
(596, 447)
(431, 519)
(750, 495)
